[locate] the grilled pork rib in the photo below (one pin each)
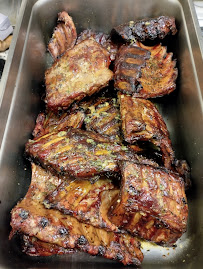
(80, 72)
(64, 36)
(79, 153)
(50, 122)
(152, 204)
(142, 121)
(147, 29)
(31, 218)
(87, 202)
(103, 117)
(144, 71)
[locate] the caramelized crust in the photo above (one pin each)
(103, 117)
(87, 202)
(80, 72)
(50, 122)
(64, 36)
(128, 64)
(159, 74)
(102, 39)
(31, 218)
(152, 203)
(142, 121)
(147, 29)
(35, 247)
(79, 153)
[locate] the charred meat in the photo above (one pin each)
(158, 76)
(87, 202)
(152, 203)
(147, 29)
(80, 72)
(103, 117)
(102, 39)
(64, 36)
(31, 218)
(144, 71)
(50, 122)
(128, 64)
(142, 121)
(78, 153)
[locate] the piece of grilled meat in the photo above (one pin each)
(145, 72)
(102, 39)
(158, 76)
(127, 70)
(86, 201)
(152, 203)
(103, 117)
(31, 218)
(80, 72)
(142, 30)
(50, 122)
(32, 246)
(141, 121)
(79, 153)
(64, 35)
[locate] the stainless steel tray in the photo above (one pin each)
(20, 104)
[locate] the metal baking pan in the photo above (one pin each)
(20, 104)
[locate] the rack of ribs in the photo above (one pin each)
(31, 218)
(79, 153)
(64, 35)
(144, 71)
(152, 204)
(142, 30)
(81, 71)
(141, 121)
